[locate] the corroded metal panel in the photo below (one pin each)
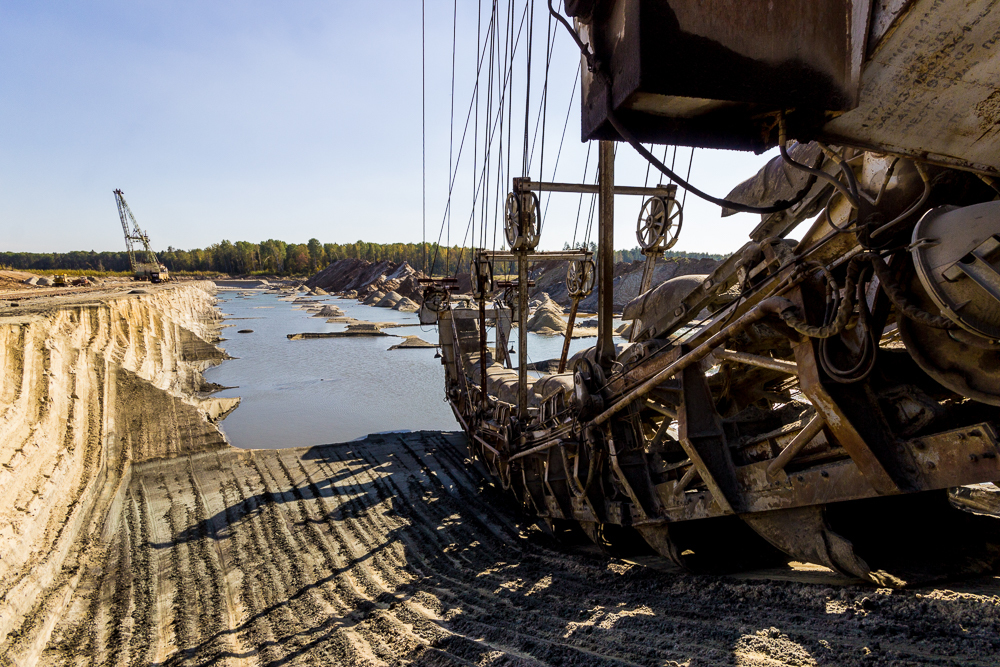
(699, 72)
(931, 88)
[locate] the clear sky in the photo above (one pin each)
(249, 120)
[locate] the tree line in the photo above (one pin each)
(635, 254)
(273, 257)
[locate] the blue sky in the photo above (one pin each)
(249, 120)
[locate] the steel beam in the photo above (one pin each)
(563, 255)
(594, 189)
(606, 254)
(522, 335)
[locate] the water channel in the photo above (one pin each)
(299, 393)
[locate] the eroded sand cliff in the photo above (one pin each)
(92, 385)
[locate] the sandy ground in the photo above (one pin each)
(391, 550)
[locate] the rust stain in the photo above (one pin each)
(988, 111)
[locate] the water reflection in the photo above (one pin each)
(320, 391)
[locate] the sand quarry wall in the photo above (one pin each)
(89, 389)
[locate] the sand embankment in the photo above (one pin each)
(92, 384)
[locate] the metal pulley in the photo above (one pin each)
(580, 276)
(522, 223)
(482, 283)
(659, 223)
(435, 299)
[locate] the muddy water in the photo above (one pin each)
(321, 391)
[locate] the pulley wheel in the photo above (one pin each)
(522, 223)
(580, 277)
(435, 298)
(659, 223)
(511, 220)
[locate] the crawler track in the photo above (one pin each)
(393, 551)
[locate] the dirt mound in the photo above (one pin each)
(373, 298)
(547, 318)
(406, 305)
(389, 300)
(329, 311)
(358, 275)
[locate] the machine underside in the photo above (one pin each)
(833, 399)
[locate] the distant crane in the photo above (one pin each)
(150, 269)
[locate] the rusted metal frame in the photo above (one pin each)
(536, 449)
(569, 335)
(839, 425)
(662, 409)
(525, 184)
(559, 489)
(801, 439)
(459, 362)
(547, 434)
(605, 350)
(488, 446)
(770, 306)
(785, 429)
(590, 497)
(535, 487)
(482, 345)
(471, 314)
(458, 415)
(664, 359)
(648, 269)
(704, 440)
(944, 460)
(661, 431)
(751, 310)
(522, 336)
(646, 369)
(969, 455)
(632, 470)
(541, 256)
(502, 341)
(758, 360)
(685, 481)
(723, 278)
(924, 156)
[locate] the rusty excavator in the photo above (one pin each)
(833, 399)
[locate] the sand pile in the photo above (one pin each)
(373, 298)
(389, 300)
(547, 318)
(329, 311)
(406, 305)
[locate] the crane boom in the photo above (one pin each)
(150, 268)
